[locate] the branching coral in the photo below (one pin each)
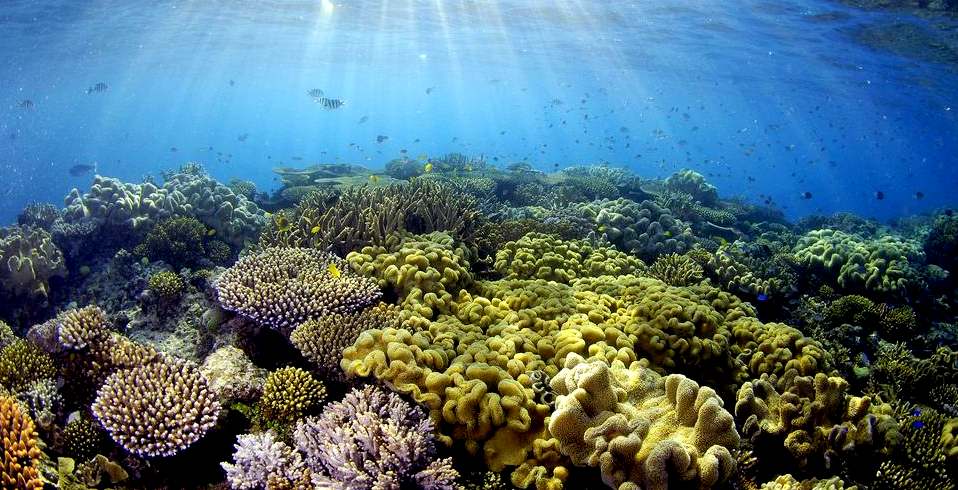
(177, 241)
(28, 261)
(19, 468)
(538, 256)
(323, 340)
(166, 285)
(157, 409)
(372, 439)
(676, 270)
(283, 287)
(260, 458)
(82, 438)
(22, 362)
(424, 271)
(642, 430)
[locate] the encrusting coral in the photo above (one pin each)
(283, 287)
(539, 256)
(232, 375)
(641, 429)
(156, 409)
(20, 466)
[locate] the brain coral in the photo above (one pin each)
(28, 260)
(425, 271)
(471, 368)
(881, 265)
(20, 466)
(283, 287)
(645, 229)
(157, 409)
(539, 256)
(642, 430)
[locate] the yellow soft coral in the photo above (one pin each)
(540, 256)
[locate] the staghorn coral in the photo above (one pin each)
(177, 241)
(921, 460)
(260, 459)
(323, 340)
(156, 409)
(43, 401)
(21, 363)
(20, 466)
(882, 265)
(28, 261)
(364, 216)
(283, 287)
(645, 229)
(642, 430)
(814, 423)
(290, 394)
(676, 270)
(538, 256)
(372, 439)
(424, 271)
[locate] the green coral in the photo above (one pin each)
(177, 241)
(21, 363)
(290, 394)
(167, 285)
(539, 256)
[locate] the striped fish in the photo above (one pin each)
(315, 93)
(330, 104)
(100, 87)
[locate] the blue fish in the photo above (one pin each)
(762, 297)
(918, 424)
(916, 412)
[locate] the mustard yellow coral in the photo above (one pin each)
(540, 256)
(19, 468)
(289, 395)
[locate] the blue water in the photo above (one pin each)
(763, 97)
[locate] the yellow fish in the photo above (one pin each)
(282, 224)
(333, 270)
(422, 158)
(468, 168)
(667, 233)
(314, 230)
(601, 228)
(211, 232)
(374, 178)
(428, 168)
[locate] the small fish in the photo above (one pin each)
(282, 224)
(429, 90)
(81, 169)
(668, 234)
(232, 83)
(949, 213)
(363, 119)
(97, 88)
(315, 93)
(916, 412)
(381, 138)
(211, 232)
(25, 104)
(879, 195)
(174, 149)
(242, 137)
(334, 271)
(806, 195)
(373, 178)
(762, 297)
(427, 168)
(601, 228)
(918, 424)
(919, 195)
(330, 104)
(314, 230)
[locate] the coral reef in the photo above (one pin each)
(177, 241)
(260, 459)
(166, 285)
(676, 270)
(941, 245)
(290, 394)
(82, 438)
(284, 287)
(645, 229)
(21, 451)
(21, 363)
(693, 184)
(232, 375)
(156, 409)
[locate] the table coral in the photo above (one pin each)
(539, 256)
(641, 429)
(283, 287)
(28, 261)
(157, 409)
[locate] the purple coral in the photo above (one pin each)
(259, 458)
(374, 440)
